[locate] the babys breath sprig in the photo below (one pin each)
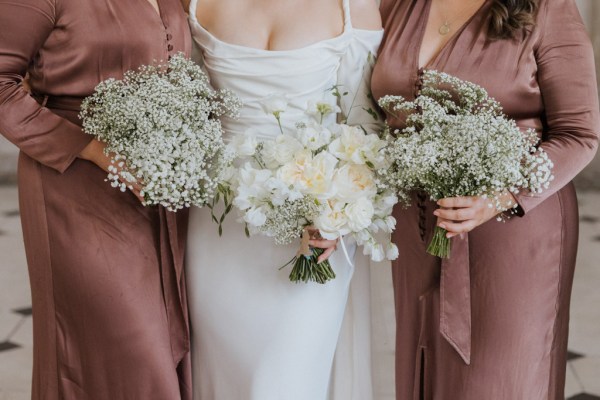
(161, 126)
(457, 142)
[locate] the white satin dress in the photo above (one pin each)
(256, 335)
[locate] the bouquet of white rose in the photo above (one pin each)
(458, 142)
(323, 177)
(161, 128)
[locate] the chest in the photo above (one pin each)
(270, 24)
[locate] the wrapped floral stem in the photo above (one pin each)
(457, 142)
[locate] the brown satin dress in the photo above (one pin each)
(109, 313)
(492, 322)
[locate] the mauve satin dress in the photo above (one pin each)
(109, 311)
(492, 322)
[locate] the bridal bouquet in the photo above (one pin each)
(315, 177)
(457, 142)
(161, 127)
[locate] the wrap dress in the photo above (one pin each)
(109, 313)
(492, 321)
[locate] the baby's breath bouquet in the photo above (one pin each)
(319, 176)
(161, 126)
(458, 142)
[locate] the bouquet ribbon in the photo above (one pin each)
(455, 298)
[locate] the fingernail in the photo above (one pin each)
(436, 213)
(443, 226)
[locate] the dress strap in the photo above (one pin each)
(192, 9)
(347, 15)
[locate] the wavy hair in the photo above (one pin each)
(510, 19)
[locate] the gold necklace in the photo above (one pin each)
(446, 26)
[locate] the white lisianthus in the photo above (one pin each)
(251, 186)
(313, 136)
(275, 104)
(255, 217)
(392, 252)
(322, 108)
(245, 145)
(353, 181)
(292, 172)
(359, 214)
(354, 145)
(332, 222)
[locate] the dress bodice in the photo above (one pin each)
(304, 74)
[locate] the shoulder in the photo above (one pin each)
(365, 14)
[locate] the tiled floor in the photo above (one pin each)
(583, 373)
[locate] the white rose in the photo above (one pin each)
(332, 223)
(318, 174)
(244, 145)
(255, 217)
(360, 214)
(392, 252)
(352, 182)
(314, 136)
(286, 148)
(275, 104)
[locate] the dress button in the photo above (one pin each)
(170, 47)
(169, 36)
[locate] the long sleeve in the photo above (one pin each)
(567, 79)
(37, 131)
(354, 80)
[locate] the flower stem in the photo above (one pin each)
(440, 244)
(306, 269)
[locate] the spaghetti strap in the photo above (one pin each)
(347, 15)
(192, 9)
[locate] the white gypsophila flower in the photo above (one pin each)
(161, 126)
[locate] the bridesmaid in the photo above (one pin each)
(492, 322)
(106, 273)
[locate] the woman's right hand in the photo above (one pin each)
(94, 152)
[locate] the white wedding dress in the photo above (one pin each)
(256, 335)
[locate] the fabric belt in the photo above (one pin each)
(69, 103)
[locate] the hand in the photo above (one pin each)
(94, 152)
(317, 241)
(463, 214)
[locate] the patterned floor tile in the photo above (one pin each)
(26, 311)
(584, 396)
(5, 346)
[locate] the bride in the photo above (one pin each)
(256, 335)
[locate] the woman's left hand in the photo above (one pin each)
(317, 241)
(463, 214)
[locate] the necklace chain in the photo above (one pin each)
(446, 26)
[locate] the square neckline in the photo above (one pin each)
(347, 29)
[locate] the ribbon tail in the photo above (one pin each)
(346, 252)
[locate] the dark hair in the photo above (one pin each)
(510, 19)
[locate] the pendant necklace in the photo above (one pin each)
(446, 26)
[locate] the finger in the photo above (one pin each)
(457, 202)
(322, 243)
(457, 227)
(325, 255)
(461, 214)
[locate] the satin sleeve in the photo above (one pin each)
(567, 80)
(354, 81)
(35, 130)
